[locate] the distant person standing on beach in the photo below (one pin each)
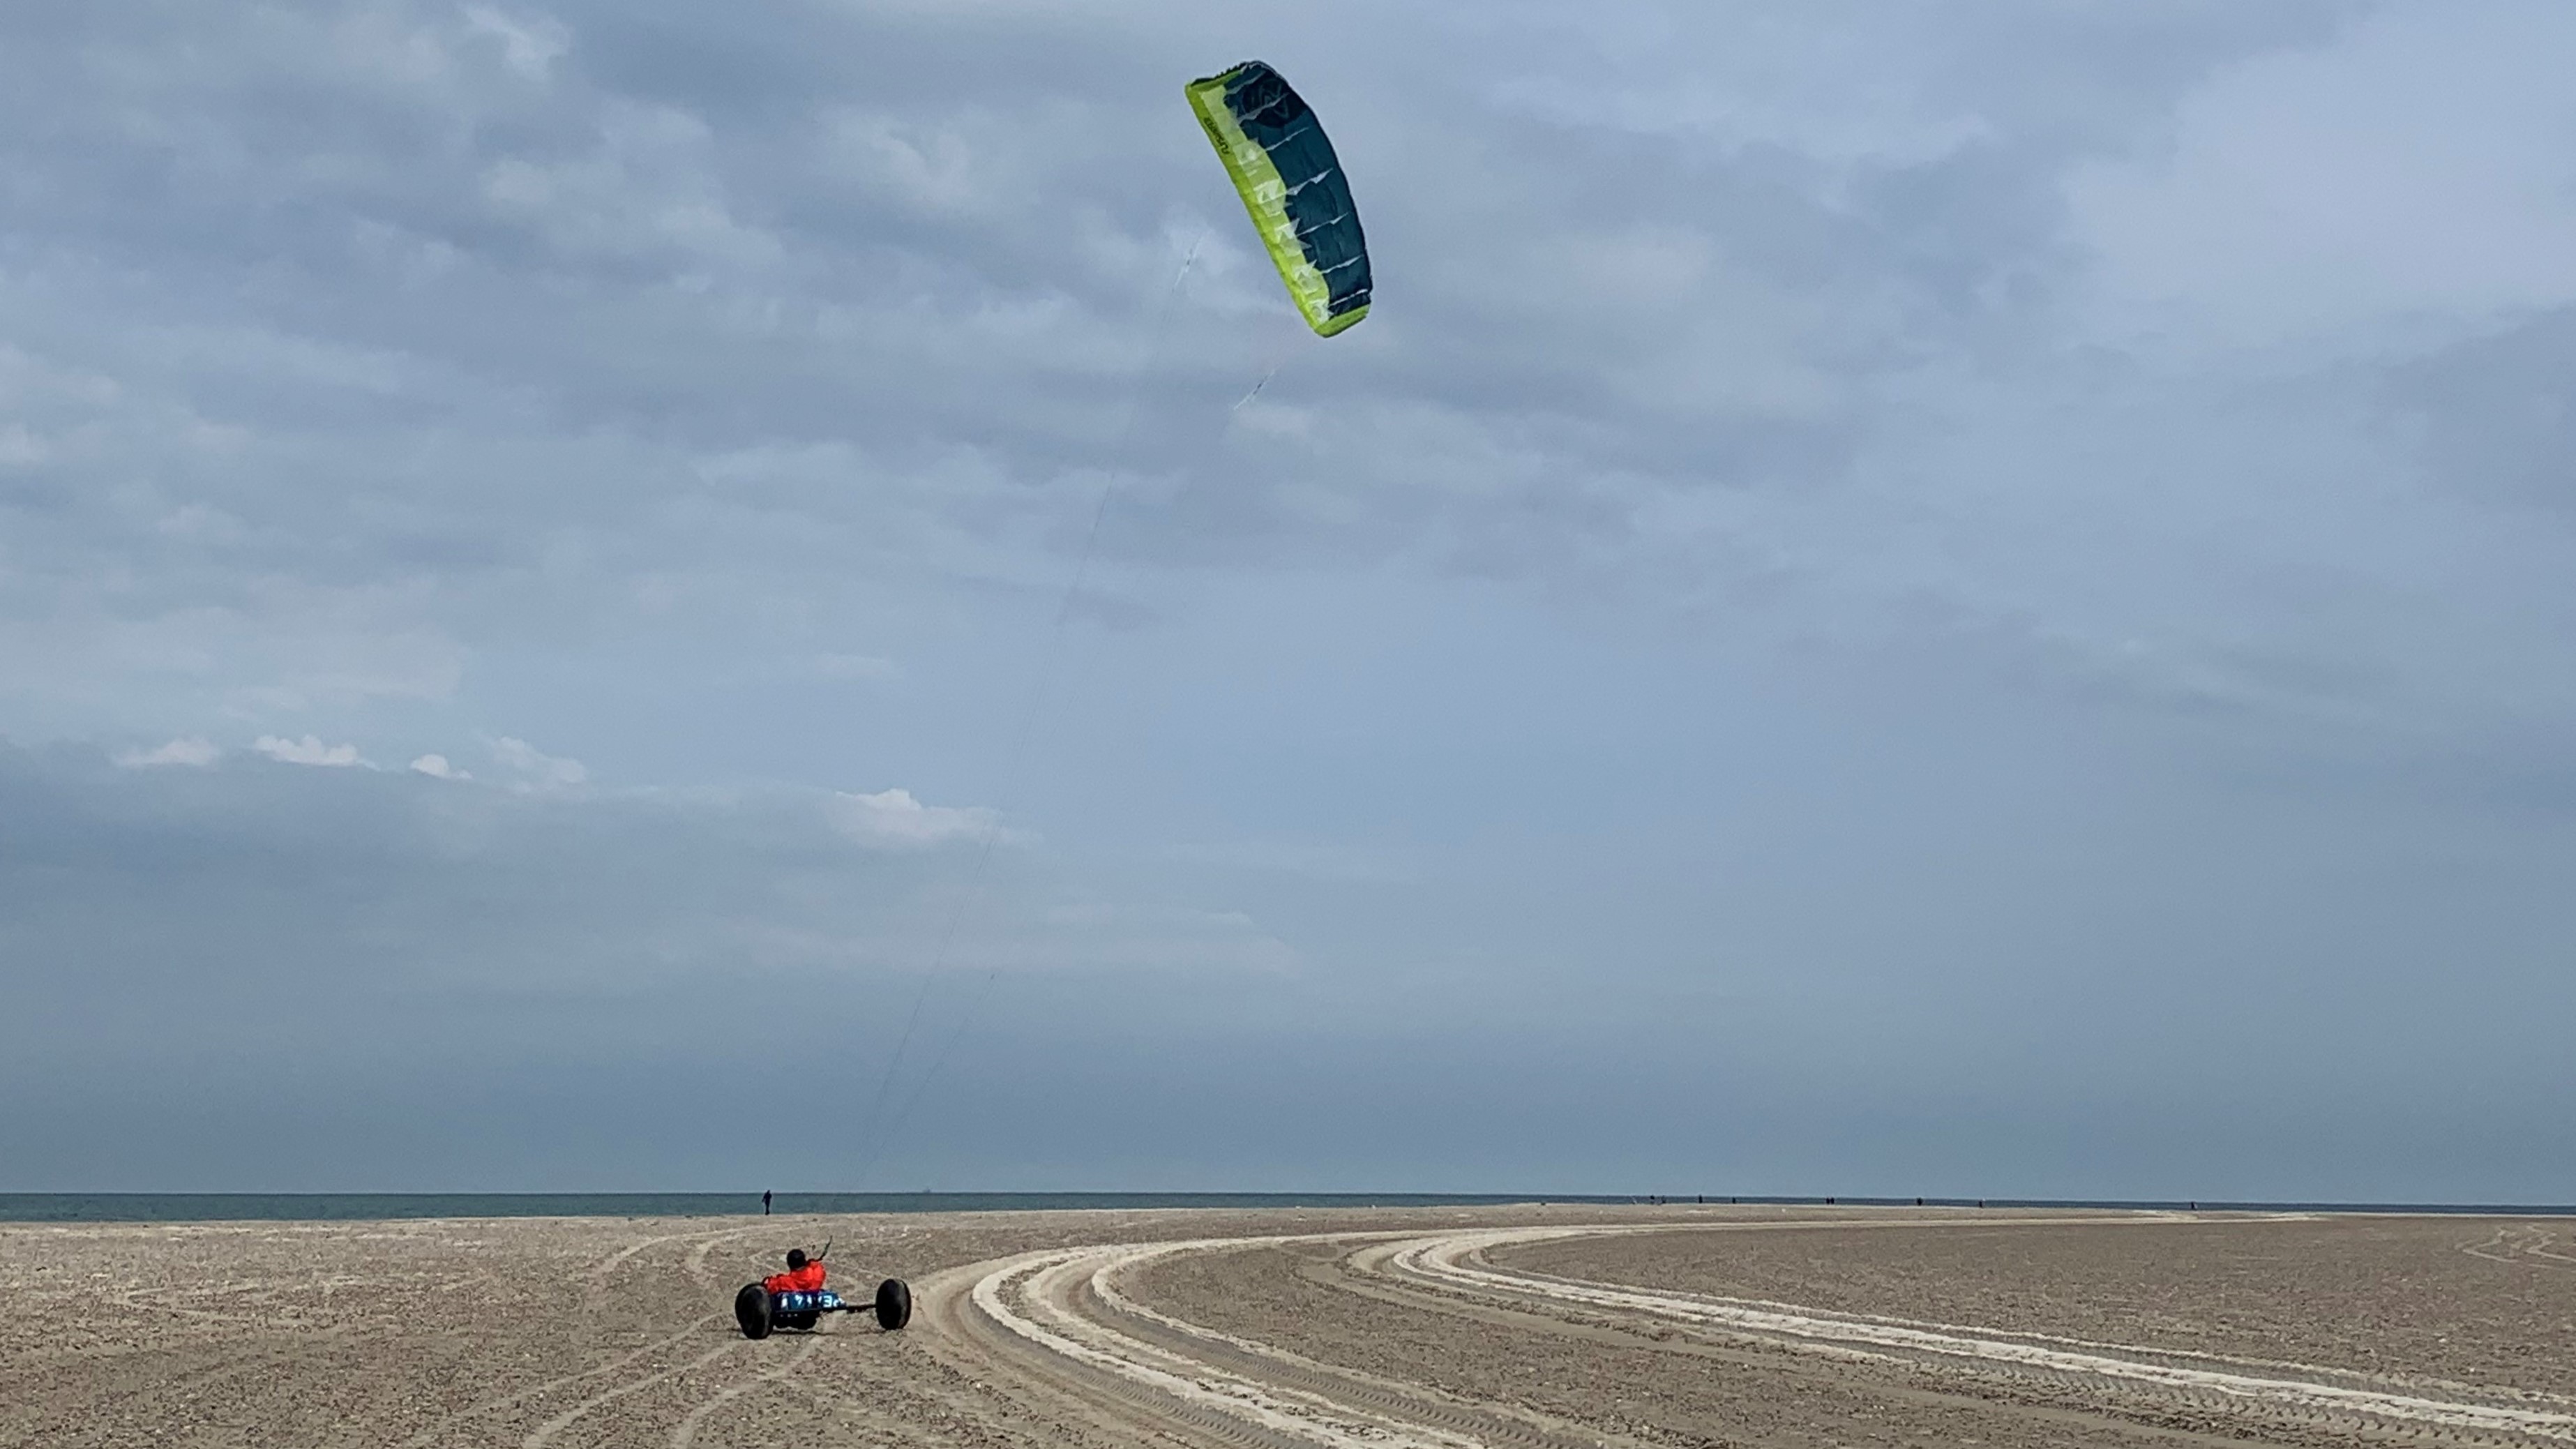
(764, 1202)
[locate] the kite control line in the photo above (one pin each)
(881, 1129)
(1290, 181)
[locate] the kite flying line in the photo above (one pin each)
(880, 1130)
(1291, 183)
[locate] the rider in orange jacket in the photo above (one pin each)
(803, 1275)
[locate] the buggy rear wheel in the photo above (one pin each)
(751, 1310)
(894, 1304)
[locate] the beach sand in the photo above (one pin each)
(1390, 1329)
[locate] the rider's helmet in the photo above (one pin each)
(795, 1259)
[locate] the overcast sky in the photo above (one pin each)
(1965, 599)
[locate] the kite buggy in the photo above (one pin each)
(797, 1299)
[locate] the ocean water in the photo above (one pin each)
(188, 1207)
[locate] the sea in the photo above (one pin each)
(190, 1207)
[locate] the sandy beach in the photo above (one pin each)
(1412, 1329)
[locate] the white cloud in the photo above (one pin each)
(437, 768)
(307, 751)
(894, 818)
(188, 751)
(536, 769)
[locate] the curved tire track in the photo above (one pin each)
(1069, 1329)
(2314, 1399)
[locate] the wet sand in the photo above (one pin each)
(1425, 1327)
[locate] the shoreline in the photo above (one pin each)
(326, 1207)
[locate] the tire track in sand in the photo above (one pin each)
(1455, 1262)
(1069, 1323)
(2521, 1246)
(593, 1298)
(1088, 1339)
(687, 1432)
(694, 1267)
(1353, 1388)
(546, 1432)
(1028, 1298)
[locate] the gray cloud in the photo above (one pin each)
(2497, 414)
(1944, 542)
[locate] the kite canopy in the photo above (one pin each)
(1293, 185)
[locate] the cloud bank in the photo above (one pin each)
(1966, 603)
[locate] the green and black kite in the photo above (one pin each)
(1293, 185)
